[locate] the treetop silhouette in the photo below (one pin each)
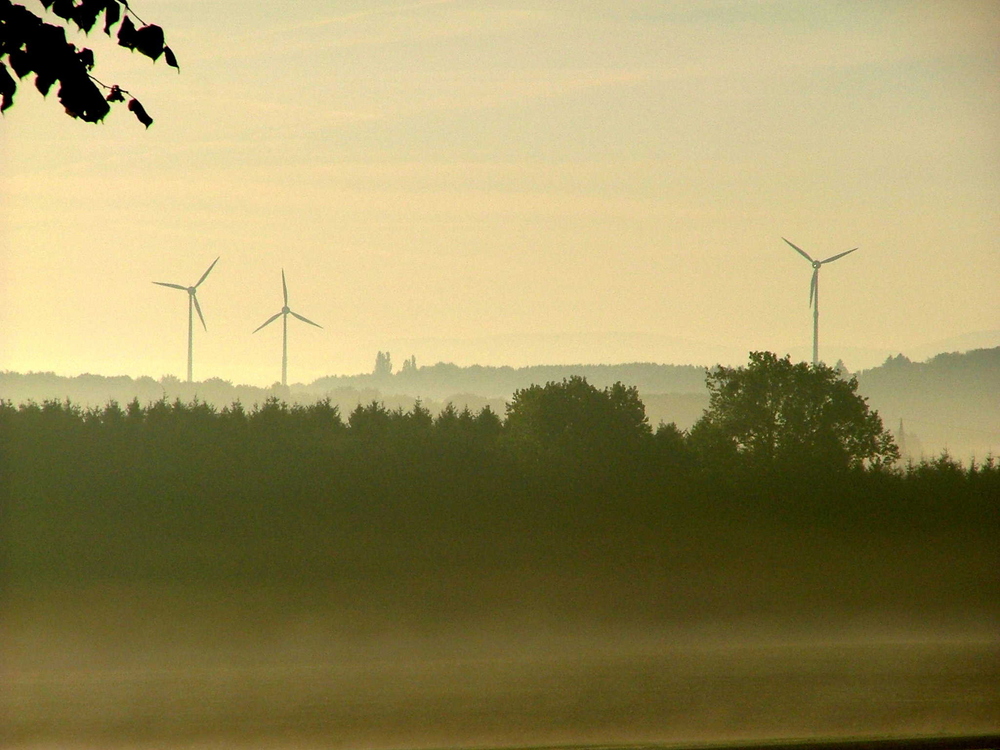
(774, 413)
(29, 44)
(575, 415)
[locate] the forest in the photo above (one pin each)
(571, 484)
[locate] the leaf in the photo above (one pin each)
(20, 63)
(140, 113)
(149, 41)
(168, 55)
(85, 14)
(112, 16)
(63, 9)
(81, 98)
(7, 88)
(126, 34)
(87, 58)
(44, 80)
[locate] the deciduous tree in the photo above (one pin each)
(575, 416)
(773, 413)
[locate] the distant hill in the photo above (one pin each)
(965, 342)
(950, 402)
(88, 391)
(672, 393)
(443, 379)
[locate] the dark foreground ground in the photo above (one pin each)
(171, 668)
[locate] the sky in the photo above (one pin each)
(512, 183)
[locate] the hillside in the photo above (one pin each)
(672, 393)
(444, 379)
(949, 402)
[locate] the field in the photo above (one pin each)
(118, 667)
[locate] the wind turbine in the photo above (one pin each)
(192, 306)
(814, 291)
(284, 313)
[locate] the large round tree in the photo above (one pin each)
(575, 418)
(773, 413)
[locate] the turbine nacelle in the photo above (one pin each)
(816, 264)
(193, 291)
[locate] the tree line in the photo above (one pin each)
(570, 478)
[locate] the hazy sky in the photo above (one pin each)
(511, 183)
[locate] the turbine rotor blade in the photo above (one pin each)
(284, 287)
(172, 286)
(812, 286)
(205, 275)
(268, 321)
(197, 307)
(305, 320)
(833, 258)
(799, 250)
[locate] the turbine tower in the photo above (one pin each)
(814, 291)
(284, 313)
(192, 306)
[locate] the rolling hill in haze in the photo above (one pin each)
(948, 402)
